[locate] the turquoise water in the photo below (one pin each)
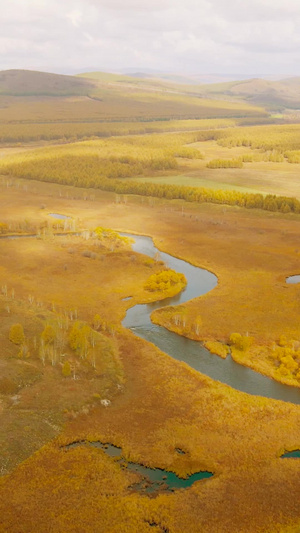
(152, 479)
(164, 480)
(295, 454)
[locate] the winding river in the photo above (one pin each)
(192, 352)
(199, 282)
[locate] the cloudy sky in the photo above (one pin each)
(185, 36)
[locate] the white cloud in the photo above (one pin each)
(251, 36)
(133, 5)
(75, 17)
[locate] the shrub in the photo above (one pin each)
(66, 369)
(16, 334)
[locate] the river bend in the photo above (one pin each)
(199, 282)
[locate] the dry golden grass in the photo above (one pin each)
(164, 405)
(114, 103)
(258, 251)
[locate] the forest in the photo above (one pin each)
(105, 164)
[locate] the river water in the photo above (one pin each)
(199, 282)
(227, 371)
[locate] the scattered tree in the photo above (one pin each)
(16, 334)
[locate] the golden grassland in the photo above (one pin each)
(236, 241)
(162, 404)
(35, 396)
(255, 178)
(252, 255)
(48, 281)
(110, 103)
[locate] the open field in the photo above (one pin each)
(266, 177)
(109, 104)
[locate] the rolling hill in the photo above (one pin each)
(274, 95)
(32, 83)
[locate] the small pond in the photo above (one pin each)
(293, 279)
(153, 480)
(289, 455)
(57, 215)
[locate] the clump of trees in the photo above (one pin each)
(240, 342)
(225, 163)
(3, 227)
(217, 348)
(281, 137)
(16, 334)
(71, 344)
(66, 369)
(73, 131)
(111, 239)
(286, 357)
(165, 280)
(293, 156)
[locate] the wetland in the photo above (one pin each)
(109, 373)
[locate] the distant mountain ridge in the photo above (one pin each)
(31, 82)
(273, 95)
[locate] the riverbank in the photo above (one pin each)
(163, 405)
(233, 371)
(252, 254)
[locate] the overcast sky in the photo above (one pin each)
(188, 36)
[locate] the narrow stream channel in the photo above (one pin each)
(152, 480)
(192, 352)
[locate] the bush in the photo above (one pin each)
(66, 369)
(240, 342)
(16, 334)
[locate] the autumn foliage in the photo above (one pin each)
(16, 334)
(165, 280)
